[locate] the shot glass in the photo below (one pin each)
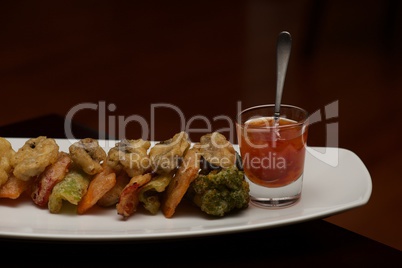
(273, 153)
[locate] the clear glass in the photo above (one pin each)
(273, 153)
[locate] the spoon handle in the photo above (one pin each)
(283, 48)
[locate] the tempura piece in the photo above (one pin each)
(129, 198)
(87, 154)
(13, 187)
(112, 196)
(6, 153)
(217, 150)
(99, 185)
(177, 188)
(220, 192)
(165, 156)
(71, 189)
(130, 156)
(43, 185)
(34, 156)
(150, 193)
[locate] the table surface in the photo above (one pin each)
(311, 242)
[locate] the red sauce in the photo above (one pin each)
(272, 155)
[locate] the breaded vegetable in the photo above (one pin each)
(100, 184)
(13, 188)
(217, 150)
(177, 188)
(71, 189)
(43, 185)
(129, 197)
(88, 154)
(112, 196)
(220, 191)
(150, 193)
(130, 156)
(34, 156)
(6, 153)
(165, 156)
(220, 186)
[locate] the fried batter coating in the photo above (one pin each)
(130, 156)
(220, 191)
(87, 154)
(185, 175)
(217, 150)
(6, 153)
(43, 185)
(13, 187)
(71, 189)
(112, 196)
(34, 156)
(150, 193)
(129, 198)
(99, 185)
(165, 156)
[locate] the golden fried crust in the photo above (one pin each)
(165, 155)
(129, 197)
(130, 156)
(177, 188)
(34, 156)
(13, 187)
(99, 185)
(44, 183)
(217, 150)
(112, 196)
(88, 155)
(6, 153)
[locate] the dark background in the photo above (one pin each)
(205, 57)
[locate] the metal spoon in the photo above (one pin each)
(283, 48)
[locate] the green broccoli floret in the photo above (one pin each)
(220, 191)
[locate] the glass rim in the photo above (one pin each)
(302, 122)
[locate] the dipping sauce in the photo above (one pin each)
(272, 153)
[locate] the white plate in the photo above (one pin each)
(335, 180)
